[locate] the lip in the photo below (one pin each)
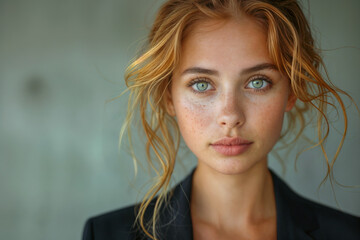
(231, 146)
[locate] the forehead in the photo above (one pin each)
(241, 42)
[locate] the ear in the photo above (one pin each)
(291, 101)
(169, 102)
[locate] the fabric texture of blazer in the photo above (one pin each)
(296, 218)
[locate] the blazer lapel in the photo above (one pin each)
(294, 219)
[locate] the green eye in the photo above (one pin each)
(201, 86)
(257, 83)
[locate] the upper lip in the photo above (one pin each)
(231, 141)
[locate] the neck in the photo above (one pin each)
(228, 199)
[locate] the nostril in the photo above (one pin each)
(224, 123)
(230, 123)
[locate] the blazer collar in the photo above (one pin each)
(294, 219)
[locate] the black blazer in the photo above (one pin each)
(297, 218)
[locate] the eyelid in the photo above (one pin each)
(197, 80)
(261, 77)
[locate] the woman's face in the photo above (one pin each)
(227, 95)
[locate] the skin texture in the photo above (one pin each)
(231, 195)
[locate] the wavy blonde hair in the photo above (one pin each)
(290, 45)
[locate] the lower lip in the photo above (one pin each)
(231, 150)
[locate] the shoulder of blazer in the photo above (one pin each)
(118, 224)
(174, 219)
(301, 218)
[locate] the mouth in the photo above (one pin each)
(231, 146)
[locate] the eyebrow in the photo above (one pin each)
(197, 70)
(259, 67)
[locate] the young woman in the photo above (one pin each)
(224, 73)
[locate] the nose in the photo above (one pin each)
(231, 112)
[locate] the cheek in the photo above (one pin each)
(270, 116)
(194, 117)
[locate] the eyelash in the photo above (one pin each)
(257, 77)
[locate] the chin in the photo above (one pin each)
(234, 166)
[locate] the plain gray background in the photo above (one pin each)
(60, 61)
